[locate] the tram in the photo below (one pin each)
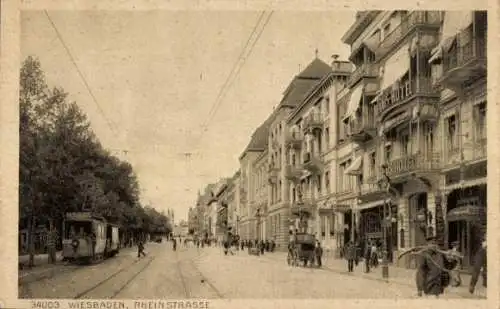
(88, 238)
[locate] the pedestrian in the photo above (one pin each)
(374, 255)
(318, 250)
(350, 255)
(433, 272)
(174, 243)
(356, 253)
(479, 267)
(51, 245)
(262, 247)
(367, 256)
(140, 249)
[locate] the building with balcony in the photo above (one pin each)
(459, 70)
(309, 170)
(390, 120)
(261, 178)
(252, 162)
(412, 122)
(286, 143)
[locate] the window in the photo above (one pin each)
(318, 183)
(332, 224)
(323, 226)
(388, 153)
(279, 191)
(387, 29)
(405, 144)
(293, 159)
(452, 133)
(327, 182)
(340, 180)
(429, 140)
(327, 139)
(480, 121)
(294, 195)
(372, 163)
(327, 104)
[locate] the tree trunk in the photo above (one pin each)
(51, 243)
(31, 248)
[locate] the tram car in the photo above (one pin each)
(88, 238)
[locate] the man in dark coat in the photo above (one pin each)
(350, 255)
(318, 250)
(367, 255)
(479, 264)
(433, 270)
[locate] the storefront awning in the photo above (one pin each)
(467, 184)
(373, 204)
(395, 67)
(353, 104)
(355, 167)
(394, 122)
(466, 213)
(453, 23)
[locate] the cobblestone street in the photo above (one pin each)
(208, 273)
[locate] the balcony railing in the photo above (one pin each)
(365, 70)
(410, 22)
(313, 162)
(413, 163)
(394, 95)
(461, 56)
(314, 121)
(294, 139)
(368, 188)
(358, 125)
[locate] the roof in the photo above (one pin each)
(293, 96)
(259, 139)
(315, 70)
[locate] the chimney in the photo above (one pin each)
(335, 62)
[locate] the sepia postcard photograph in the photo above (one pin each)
(170, 158)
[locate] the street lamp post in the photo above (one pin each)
(386, 184)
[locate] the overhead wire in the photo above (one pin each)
(230, 82)
(82, 76)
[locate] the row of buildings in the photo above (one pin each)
(390, 144)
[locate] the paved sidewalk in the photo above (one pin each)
(397, 275)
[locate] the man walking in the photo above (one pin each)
(367, 256)
(479, 264)
(350, 255)
(319, 253)
(140, 248)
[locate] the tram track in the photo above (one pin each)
(202, 278)
(95, 287)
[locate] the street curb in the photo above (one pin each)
(463, 294)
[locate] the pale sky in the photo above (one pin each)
(156, 76)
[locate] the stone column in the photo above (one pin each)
(404, 228)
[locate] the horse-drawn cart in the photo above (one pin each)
(302, 250)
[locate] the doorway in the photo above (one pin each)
(417, 205)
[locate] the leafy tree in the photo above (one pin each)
(63, 167)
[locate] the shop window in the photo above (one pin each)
(332, 224)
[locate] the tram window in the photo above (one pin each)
(76, 228)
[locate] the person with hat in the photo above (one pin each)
(478, 265)
(433, 272)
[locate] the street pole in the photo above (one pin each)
(385, 262)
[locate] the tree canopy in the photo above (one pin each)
(63, 167)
